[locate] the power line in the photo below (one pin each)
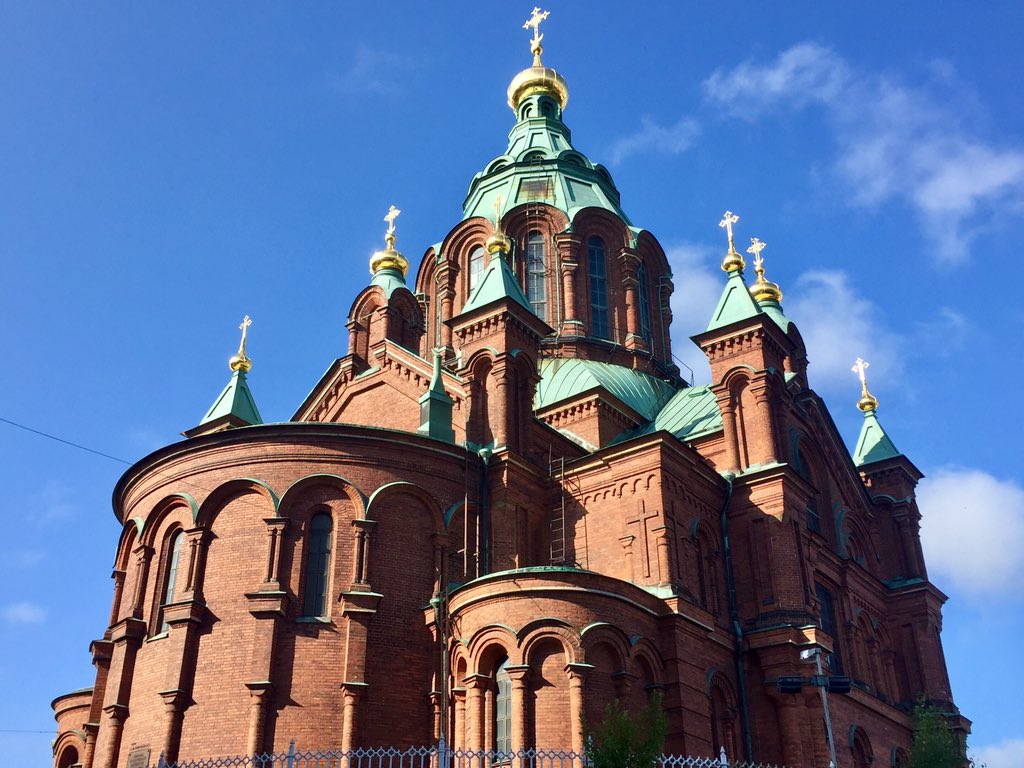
(62, 440)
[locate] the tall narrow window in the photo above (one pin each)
(476, 266)
(643, 299)
(171, 581)
(827, 621)
(503, 710)
(598, 289)
(536, 274)
(318, 560)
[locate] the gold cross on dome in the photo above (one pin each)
(390, 219)
(244, 328)
(536, 17)
(859, 367)
(756, 246)
(727, 221)
(497, 212)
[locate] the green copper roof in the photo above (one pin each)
(873, 444)
(690, 413)
(389, 279)
(736, 303)
(496, 282)
(561, 379)
(236, 400)
(774, 310)
(541, 165)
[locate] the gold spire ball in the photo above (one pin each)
(538, 78)
(732, 261)
(239, 361)
(389, 258)
(762, 290)
(867, 402)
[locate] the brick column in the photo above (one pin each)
(661, 542)
(475, 687)
(519, 675)
(576, 672)
(351, 695)
(765, 442)
(91, 730)
(259, 694)
(568, 247)
(143, 554)
(732, 443)
(459, 726)
(118, 577)
(791, 717)
(627, 552)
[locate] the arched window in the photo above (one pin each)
(171, 578)
(476, 266)
(318, 561)
(644, 302)
(598, 289)
(68, 758)
(536, 274)
(503, 709)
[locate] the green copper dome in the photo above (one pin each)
(541, 165)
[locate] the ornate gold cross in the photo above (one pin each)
(727, 221)
(497, 212)
(244, 328)
(390, 219)
(534, 21)
(859, 367)
(756, 246)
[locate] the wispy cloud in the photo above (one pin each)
(972, 523)
(839, 325)
(374, 71)
(52, 504)
(697, 288)
(1006, 754)
(24, 613)
(651, 137)
(895, 143)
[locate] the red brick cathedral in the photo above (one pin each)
(503, 508)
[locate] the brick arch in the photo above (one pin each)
(400, 487)
(130, 535)
(69, 749)
(541, 630)
(722, 712)
(609, 634)
(167, 506)
(228, 491)
(646, 653)
(350, 489)
(860, 747)
(482, 645)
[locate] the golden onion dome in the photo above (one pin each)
(240, 361)
(389, 258)
(762, 289)
(537, 79)
(498, 243)
(867, 402)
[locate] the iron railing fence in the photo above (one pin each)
(434, 757)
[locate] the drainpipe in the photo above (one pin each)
(484, 555)
(734, 617)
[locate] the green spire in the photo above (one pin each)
(736, 303)
(436, 407)
(873, 444)
(497, 282)
(235, 405)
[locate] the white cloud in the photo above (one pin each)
(374, 71)
(1006, 754)
(838, 326)
(698, 285)
(971, 527)
(895, 143)
(24, 613)
(667, 140)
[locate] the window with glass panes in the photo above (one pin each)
(318, 559)
(598, 289)
(476, 266)
(503, 710)
(172, 576)
(536, 274)
(643, 300)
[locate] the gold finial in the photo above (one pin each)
(732, 261)
(867, 402)
(239, 361)
(536, 17)
(762, 290)
(498, 242)
(389, 258)
(537, 78)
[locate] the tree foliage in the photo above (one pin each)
(625, 740)
(935, 743)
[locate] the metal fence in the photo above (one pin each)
(433, 757)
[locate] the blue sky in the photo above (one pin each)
(166, 169)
